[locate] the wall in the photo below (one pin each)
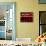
(28, 30)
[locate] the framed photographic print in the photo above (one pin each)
(42, 1)
(7, 20)
(42, 22)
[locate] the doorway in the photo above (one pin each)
(7, 21)
(42, 22)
